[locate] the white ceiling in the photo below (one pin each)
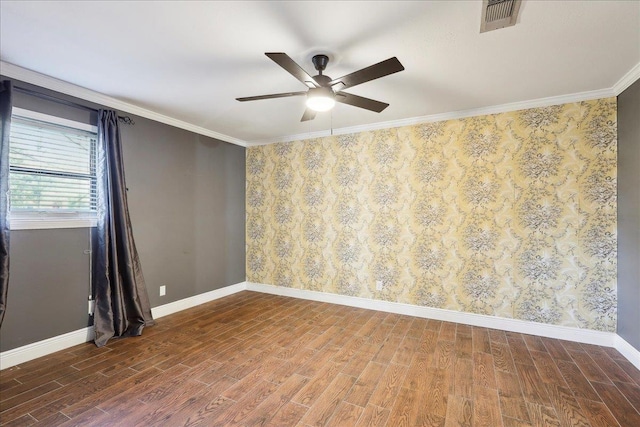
(190, 60)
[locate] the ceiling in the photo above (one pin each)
(190, 60)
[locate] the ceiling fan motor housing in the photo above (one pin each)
(322, 80)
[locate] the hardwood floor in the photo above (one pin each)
(255, 359)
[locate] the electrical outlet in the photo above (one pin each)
(163, 290)
(378, 285)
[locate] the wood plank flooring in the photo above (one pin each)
(254, 359)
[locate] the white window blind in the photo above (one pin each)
(51, 168)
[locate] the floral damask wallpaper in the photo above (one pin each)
(510, 215)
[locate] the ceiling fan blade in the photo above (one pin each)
(360, 101)
(283, 60)
(381, 69)
(275, 95)
(309, 114)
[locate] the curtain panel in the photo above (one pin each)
(121, 302)
(6, 89)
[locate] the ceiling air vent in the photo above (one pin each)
(499, 14)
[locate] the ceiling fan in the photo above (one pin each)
(323, 91)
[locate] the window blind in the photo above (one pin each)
(51, 167)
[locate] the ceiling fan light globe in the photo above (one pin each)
(321, 99)
(321, 103)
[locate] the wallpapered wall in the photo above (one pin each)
(510, 215)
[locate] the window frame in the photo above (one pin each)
(47, 219)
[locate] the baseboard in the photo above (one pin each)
(32, 351)
(628, 351)
(587, 336)
(183, 304)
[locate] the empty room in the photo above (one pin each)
(320, 213)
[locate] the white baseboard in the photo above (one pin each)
(183, 304)
(32, 351)
(627, 350)
(587, 336)
(608, 339)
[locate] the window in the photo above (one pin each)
(52, 172)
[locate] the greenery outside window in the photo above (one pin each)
(52, 172)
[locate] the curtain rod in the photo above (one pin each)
(123, 119)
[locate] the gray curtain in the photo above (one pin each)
(6, 90)
(121, 302)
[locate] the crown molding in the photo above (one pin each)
(13, 71)
(483, 111)
(29, 76)
(627, 80)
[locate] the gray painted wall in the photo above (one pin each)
(48, 285)
(629, 215)
(186, 201)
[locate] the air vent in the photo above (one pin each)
(499, 14)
